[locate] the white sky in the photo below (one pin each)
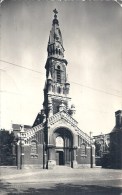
(92, 37)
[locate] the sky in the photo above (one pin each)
(92, 38)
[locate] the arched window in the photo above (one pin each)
(56, 51)
(83, 150)
(33, 147)
(58, 74)
(59, 142)
(58, 90)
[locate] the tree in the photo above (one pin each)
(7, 144)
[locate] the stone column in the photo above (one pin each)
(22, 136)
(44, 156)
(22, 154)
(50, 108)
(92, 156)
(18, 155)
(51, 152)
(74, 161)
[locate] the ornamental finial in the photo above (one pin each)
(55, 12)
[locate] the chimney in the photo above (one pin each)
(118, 115)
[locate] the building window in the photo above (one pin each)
(83, 150)
(33, 147)
(59, 52)
(78, 140)
(56, 51)
(59, 142)
(58, 90)
(58, 74)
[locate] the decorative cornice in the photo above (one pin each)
(57, 96)
(55, 59)
(62, 115)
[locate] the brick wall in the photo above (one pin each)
(33, 158)
(84, 159)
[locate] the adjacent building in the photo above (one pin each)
(102, 148)
(116, 142)
(109, 146)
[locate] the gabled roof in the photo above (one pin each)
(64, 115)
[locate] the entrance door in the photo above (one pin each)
(60, 158)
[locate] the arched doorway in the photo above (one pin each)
(59, 150)
(63, 146)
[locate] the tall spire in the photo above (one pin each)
(55, 43)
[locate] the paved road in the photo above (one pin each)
(61, 181)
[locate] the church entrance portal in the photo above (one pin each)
(64, 144)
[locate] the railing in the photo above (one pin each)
(30, 132)
(84, 135)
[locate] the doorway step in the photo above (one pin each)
(59, 168)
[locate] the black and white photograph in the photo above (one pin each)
(61, 97)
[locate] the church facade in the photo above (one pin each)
(55, 138)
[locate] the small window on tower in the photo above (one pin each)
(58, 74)
(58, 90)
(56, 51)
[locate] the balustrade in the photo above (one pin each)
(84, 135)
(30, 133)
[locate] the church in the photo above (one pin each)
(55, 138)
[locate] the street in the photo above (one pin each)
(60, 181)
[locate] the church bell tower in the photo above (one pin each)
(56, 91)
(57, 86)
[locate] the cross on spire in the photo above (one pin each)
(55, 12)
